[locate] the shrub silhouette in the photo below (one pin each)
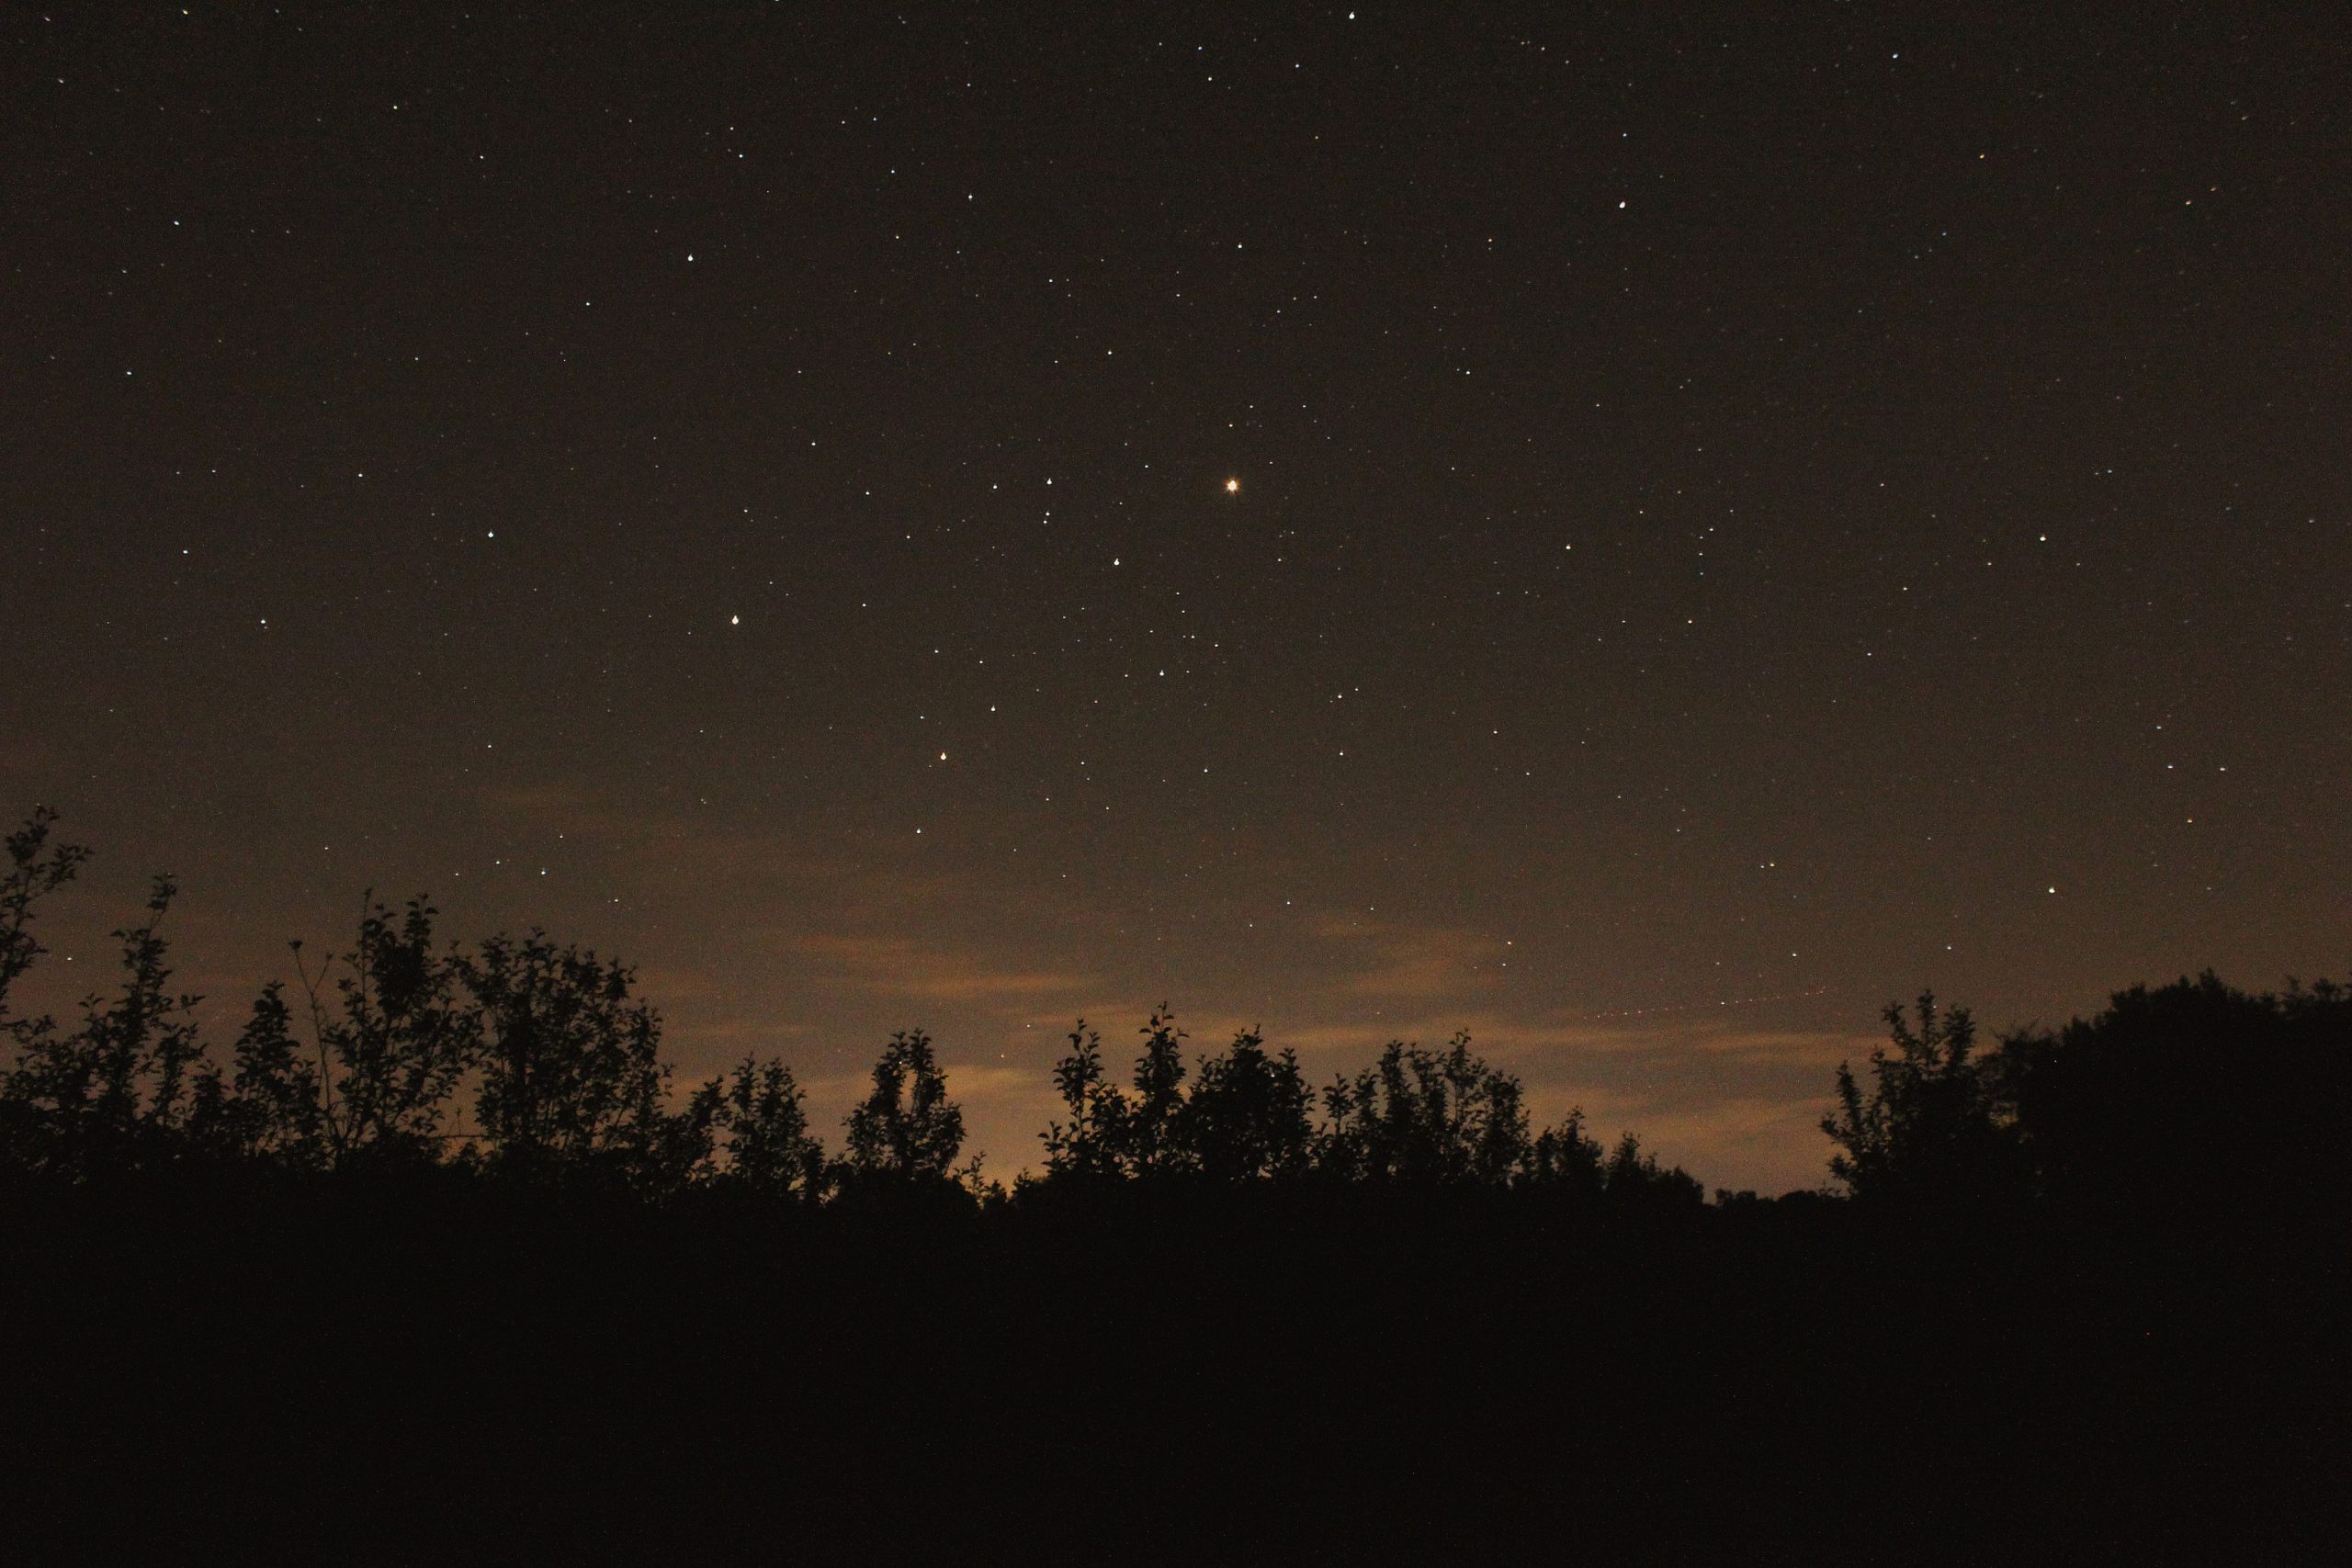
(2194, 1100)
(128, 1088)
(1092, 1145)
(769, 1150)
(1247, 1119)
(395, 1033)
(570, 1071)
(1424, 1117)
(1415, 1117)
(907, 1130)
(1932, 1127)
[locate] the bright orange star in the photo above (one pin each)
(1233, 487)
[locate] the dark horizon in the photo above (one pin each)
(430, 1256)
(1739, 519)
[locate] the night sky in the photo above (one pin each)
(1643, 532)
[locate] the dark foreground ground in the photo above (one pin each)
(441, 1375)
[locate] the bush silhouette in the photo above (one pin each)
(570, 1074)
(1932, 1127)
(1247, 1119)
(2195, 1099)
(127, 1088)
(907, 1130)
(1093, 1144)
(1423, 1117)
(769, 1150)
(396, 1031)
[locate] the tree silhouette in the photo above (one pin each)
(1423, 1117)
(566, 1078)
(1246, 1116)
(1565, 1161)
(907, 1130)
(126, 1090)
(276, 1112)
(395, 1040)
(36, 868)
(2194, 1097)
(569, 1063)
(1415, 1117)
(1148, 1135)
(1091, 1145)
(769, 1148)
(1632, 1176)
(1931, 1128)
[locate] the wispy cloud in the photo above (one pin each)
(667, 847)
(1393, 960)
(900, 965)
(849, 943)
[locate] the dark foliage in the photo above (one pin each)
(907, 1132)
(769, 1150)
(277, 1112)
(127, 1088)
(1416, 1119)
(437, 1262)
(571, 1079)
(1092, 1145)
(395, 1031)
(1150, 1143)
(2194, 1101)
(1419, 1116)
(37, 867)
(1931, 1128)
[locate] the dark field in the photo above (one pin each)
(434, 1370)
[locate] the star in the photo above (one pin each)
(1233, 487)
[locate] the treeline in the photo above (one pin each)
(435, 1255)
(2193, 1105)
(523, 1059)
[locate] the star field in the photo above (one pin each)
(1641, 536)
